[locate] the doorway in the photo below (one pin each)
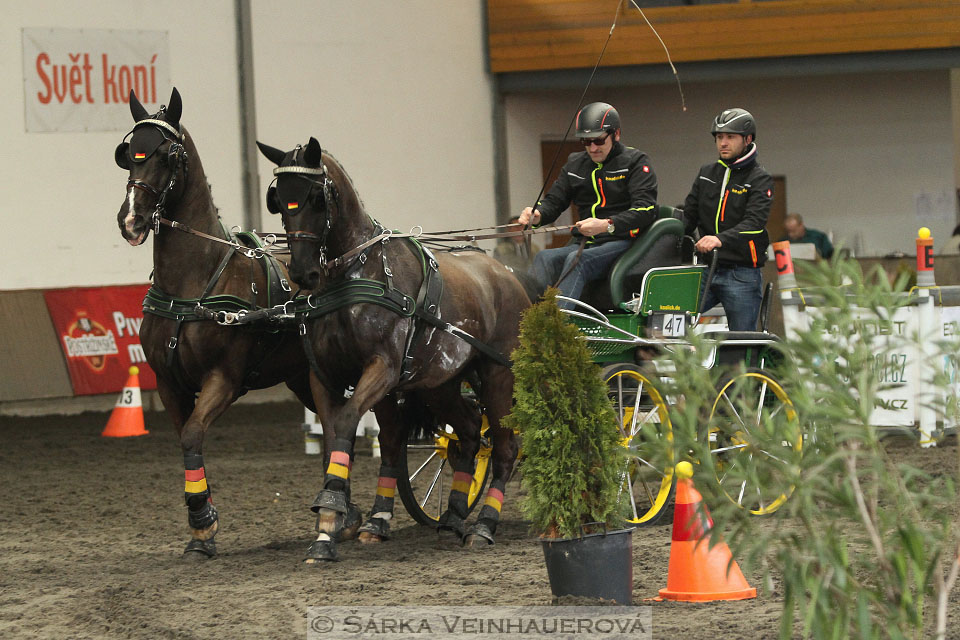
(778, 210)
(548, 151)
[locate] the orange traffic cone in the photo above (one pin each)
(698, 573)
(127, 417)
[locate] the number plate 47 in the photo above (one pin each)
(668, 325)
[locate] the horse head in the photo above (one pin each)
(155, 156)
(319, 207)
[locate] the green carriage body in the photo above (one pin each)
(652, 308)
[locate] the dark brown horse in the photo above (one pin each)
(201, 276)
(379, 324)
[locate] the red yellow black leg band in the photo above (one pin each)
(339, 466)
(462, 481)
(195, 481)
(494, 499)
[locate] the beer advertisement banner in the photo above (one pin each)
(80, 79)
(99, 332)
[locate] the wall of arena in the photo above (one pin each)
(857, 150)
(397, 91)
(400, 93)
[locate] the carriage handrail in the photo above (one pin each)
(599, 319)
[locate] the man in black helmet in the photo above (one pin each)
(729, 205)
(615, 190)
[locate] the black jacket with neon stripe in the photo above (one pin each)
(732, 201)
(622, 188)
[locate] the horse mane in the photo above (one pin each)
(345, 176)
(196, 166)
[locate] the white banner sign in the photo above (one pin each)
(80, 79)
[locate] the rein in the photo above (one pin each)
(437, 236)
(248, 252)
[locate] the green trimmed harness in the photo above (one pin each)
(361, 290)
(224, 309)
(350, 291)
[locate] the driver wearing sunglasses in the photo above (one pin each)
(615, 190)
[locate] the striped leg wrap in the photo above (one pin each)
(459, 492)
(338, 469)
(386, 490)
(200, 511)
(493, 502)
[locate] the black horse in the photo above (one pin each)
(203, 277)
(388, 318)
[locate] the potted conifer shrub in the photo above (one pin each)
(571, 458)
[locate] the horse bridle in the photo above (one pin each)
(175, 151)
(329, 195)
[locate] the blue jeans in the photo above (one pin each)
(739, 290)
(594, 262)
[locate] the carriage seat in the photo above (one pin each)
(658, 247)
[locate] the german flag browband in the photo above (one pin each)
(339, 466)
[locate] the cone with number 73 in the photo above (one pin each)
(127, 417)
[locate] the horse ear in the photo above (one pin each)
(175, 108)
(273, 155)
(313, 154)
(136, 109)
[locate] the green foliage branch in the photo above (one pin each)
(863, 544)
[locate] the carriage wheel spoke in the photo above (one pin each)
(760, 401)
(733, 447)
(733, 409)
(413, 476)
(773, 414)
(433, 483)
(770, 455)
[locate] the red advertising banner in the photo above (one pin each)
(99, 331)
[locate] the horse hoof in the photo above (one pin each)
(205, 534)
(321, 551)
(375, 530)
(450, 523)
(473, 541)
(479, 536)
(366, 537)
(200, 549)
(351, 524)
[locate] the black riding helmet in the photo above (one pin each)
(596, 118)
(735, 121)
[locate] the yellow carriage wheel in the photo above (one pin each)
(646, 480)
(427, 476)
(755, 441)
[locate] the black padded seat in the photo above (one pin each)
(658, 247)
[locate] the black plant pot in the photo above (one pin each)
(596, 565)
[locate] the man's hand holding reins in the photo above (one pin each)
(593, 226)
(529, 216)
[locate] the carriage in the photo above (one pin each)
(647, 307)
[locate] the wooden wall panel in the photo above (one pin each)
(32, 362)
(537, 35)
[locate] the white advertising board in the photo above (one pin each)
(80, 79)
